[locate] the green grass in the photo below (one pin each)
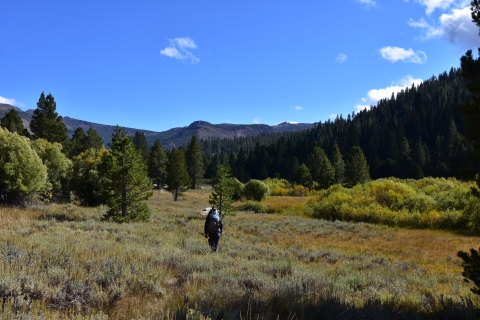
(62, 262)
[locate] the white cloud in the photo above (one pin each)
(364, 100)
(333, 116)
(178, 49)
(361, 107)
(435, 4)
(9, 101)
(458, 28)
(172, 53)
(185, 43)
(455, 27)
(256, 120)
(298, 108)
(368, 3)
(341, 58)
(394, 54)
(428, 30)
(376, 95)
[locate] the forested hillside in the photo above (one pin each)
(417, 133)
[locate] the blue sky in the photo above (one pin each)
(161, 64)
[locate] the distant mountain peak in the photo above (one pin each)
(199, 123)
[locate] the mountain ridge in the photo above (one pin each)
(173, 137)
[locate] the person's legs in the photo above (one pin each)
(216, 242)
(215, 239)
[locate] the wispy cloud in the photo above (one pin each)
(10, 101)
(179, 48)
(341, 58)
(298, 108)
(256, 120)
(435, 4)
(394, 54)
(376, 95)
(367, 3)
(333, 116)
(429, 31)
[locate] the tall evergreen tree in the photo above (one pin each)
(157, 162)
(321, 169)
(304, 177)
(356, 170)
(291, 168)
(140, 142)
(194, 161)
(78, 143)
(46, 123)
(223, 186)
(125, 183)
(211, 170)
(12, 122)
(338, 164)
(94, 140)
(177, 173)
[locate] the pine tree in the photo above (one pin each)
(223, 186)
(78, 143)
(194, 161)
(157, 162)
(304, 177)
(177, 174)
(356, 170)
(12, 122)
(46, 123)
(94, 140)
(321, 169)
(125, 184)
(338, 165)
(140, 142)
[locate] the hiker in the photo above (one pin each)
(213, 228)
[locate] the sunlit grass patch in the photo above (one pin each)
(285, 204)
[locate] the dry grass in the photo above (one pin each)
(285, 204)
(62, 262)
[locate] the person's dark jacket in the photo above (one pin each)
(213, 215)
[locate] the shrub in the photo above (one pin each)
(254, 206)
(238, 188)
(85, 179)
(278, 187)
(298, 191)
(58, 165)
(256, 190)
(427, 203)
(21, 169)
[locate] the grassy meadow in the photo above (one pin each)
(62, 262)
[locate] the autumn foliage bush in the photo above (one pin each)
(427, 203)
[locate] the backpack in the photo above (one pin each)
(213, 226)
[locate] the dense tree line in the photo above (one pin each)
(419, 132)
